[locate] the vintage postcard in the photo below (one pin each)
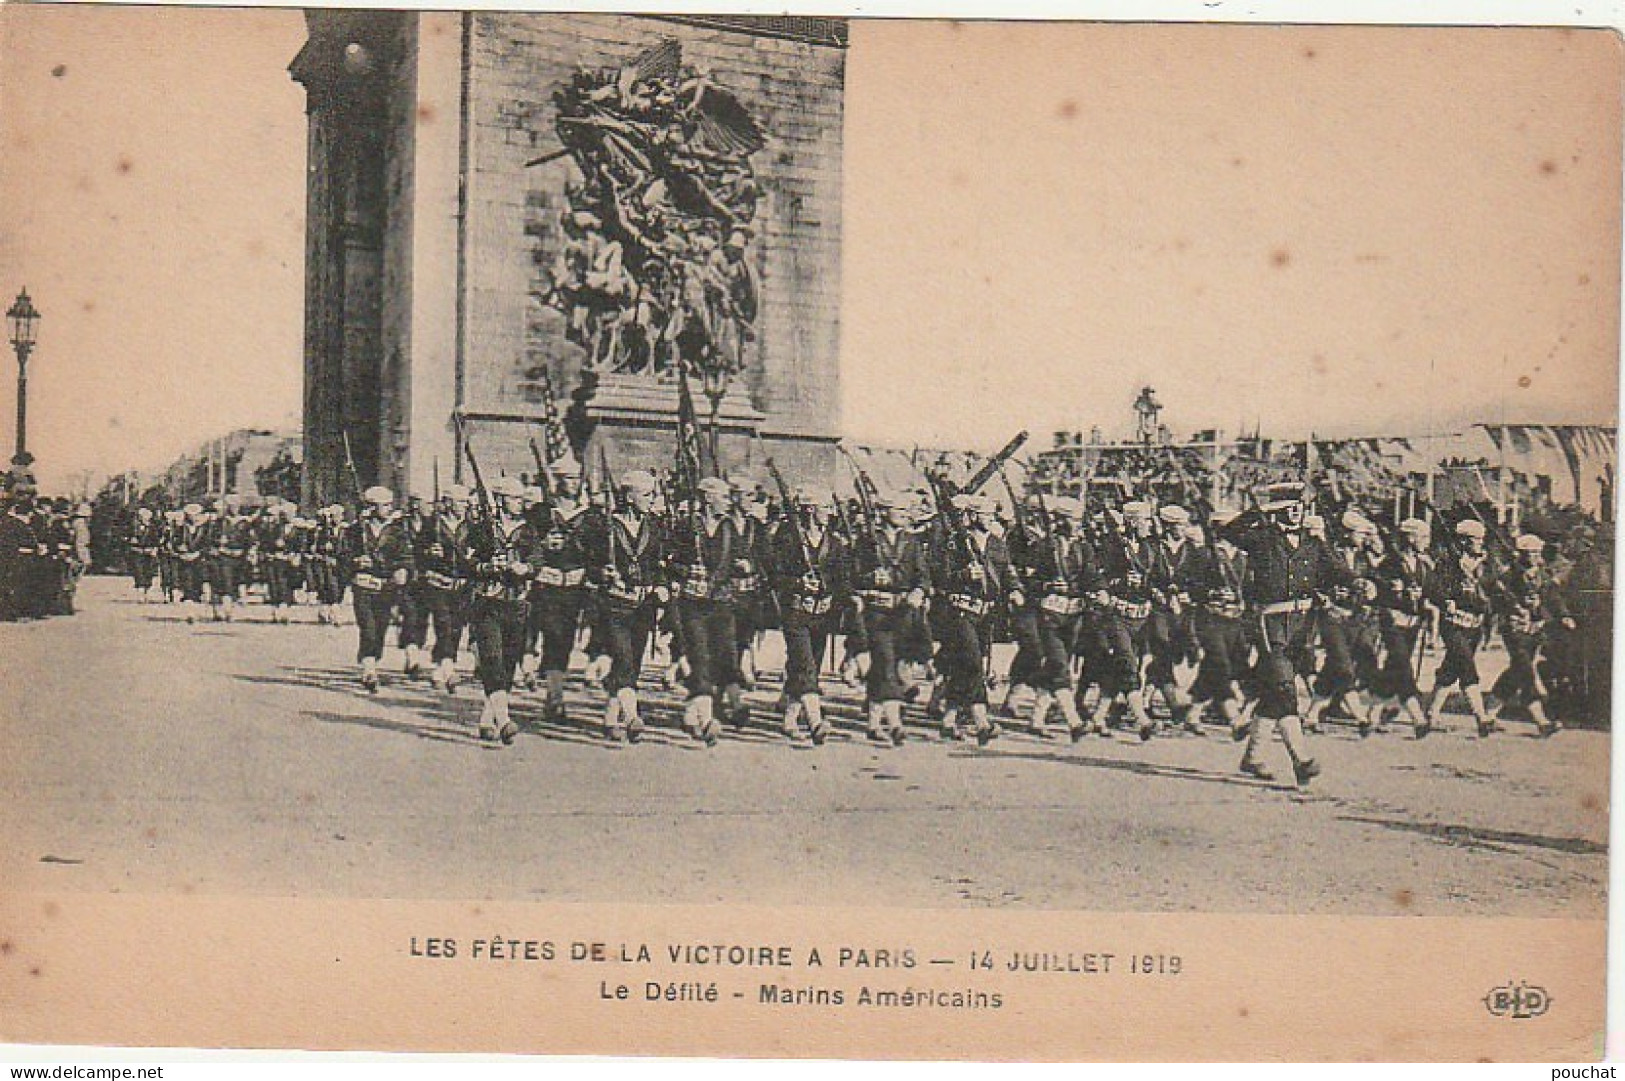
(805, 536)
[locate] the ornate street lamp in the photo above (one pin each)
(714, 382)
(22, 321)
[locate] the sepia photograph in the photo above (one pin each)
(838, 476)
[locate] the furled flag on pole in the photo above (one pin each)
(690, 448)
(557, 446)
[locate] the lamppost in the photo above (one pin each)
(22, 319)
(714, 382)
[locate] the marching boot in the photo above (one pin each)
(877, 722)
(1013, 698)
(506, 729)
(1069, 712)
(676, 672)
(1430, 713)
(529, 666)
(813, 707)
(894, 722)
(488, 728)
(792, 719)
(1475, 700)
(950, 724)
(1142, 719)
(1251, 761)
(553, 703)
(1181, 706)
(733, 699)
(706, 719)
(1311, 717)
(851, 675)
(1042, 701)
(747, 668)
(414, 663)
(1103, 711)
(369, 674)
(628, 698)
(612, 720)
(1544, 725)
(983, 724)
(1304, 768)
(190, 608)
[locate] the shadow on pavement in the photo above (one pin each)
(1488, 839)
(1144, 769)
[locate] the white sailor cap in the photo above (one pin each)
(507, 486)
(378, 495)
(1137, 510)
(1415, 527)
(1529, 542)
(1313, 523)
(1173, 514)
(1355, 522)
(639, 480)
(974, 504)
(533, 493)
(1470, 527)
(457, 493)
(1065, 505)
(193, 509)
(715, 486)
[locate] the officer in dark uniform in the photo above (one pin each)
(1287, 568)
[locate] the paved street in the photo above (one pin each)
(144, 754)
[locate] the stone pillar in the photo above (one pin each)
(344, 67)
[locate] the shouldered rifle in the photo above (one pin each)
(1044, 531)
(487, 507)
(994, 464)
(866, 492)
(792, 518)
(349, 460)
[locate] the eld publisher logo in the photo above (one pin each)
(1518, 1001)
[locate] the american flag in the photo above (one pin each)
(556, 446)
(690, 449)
